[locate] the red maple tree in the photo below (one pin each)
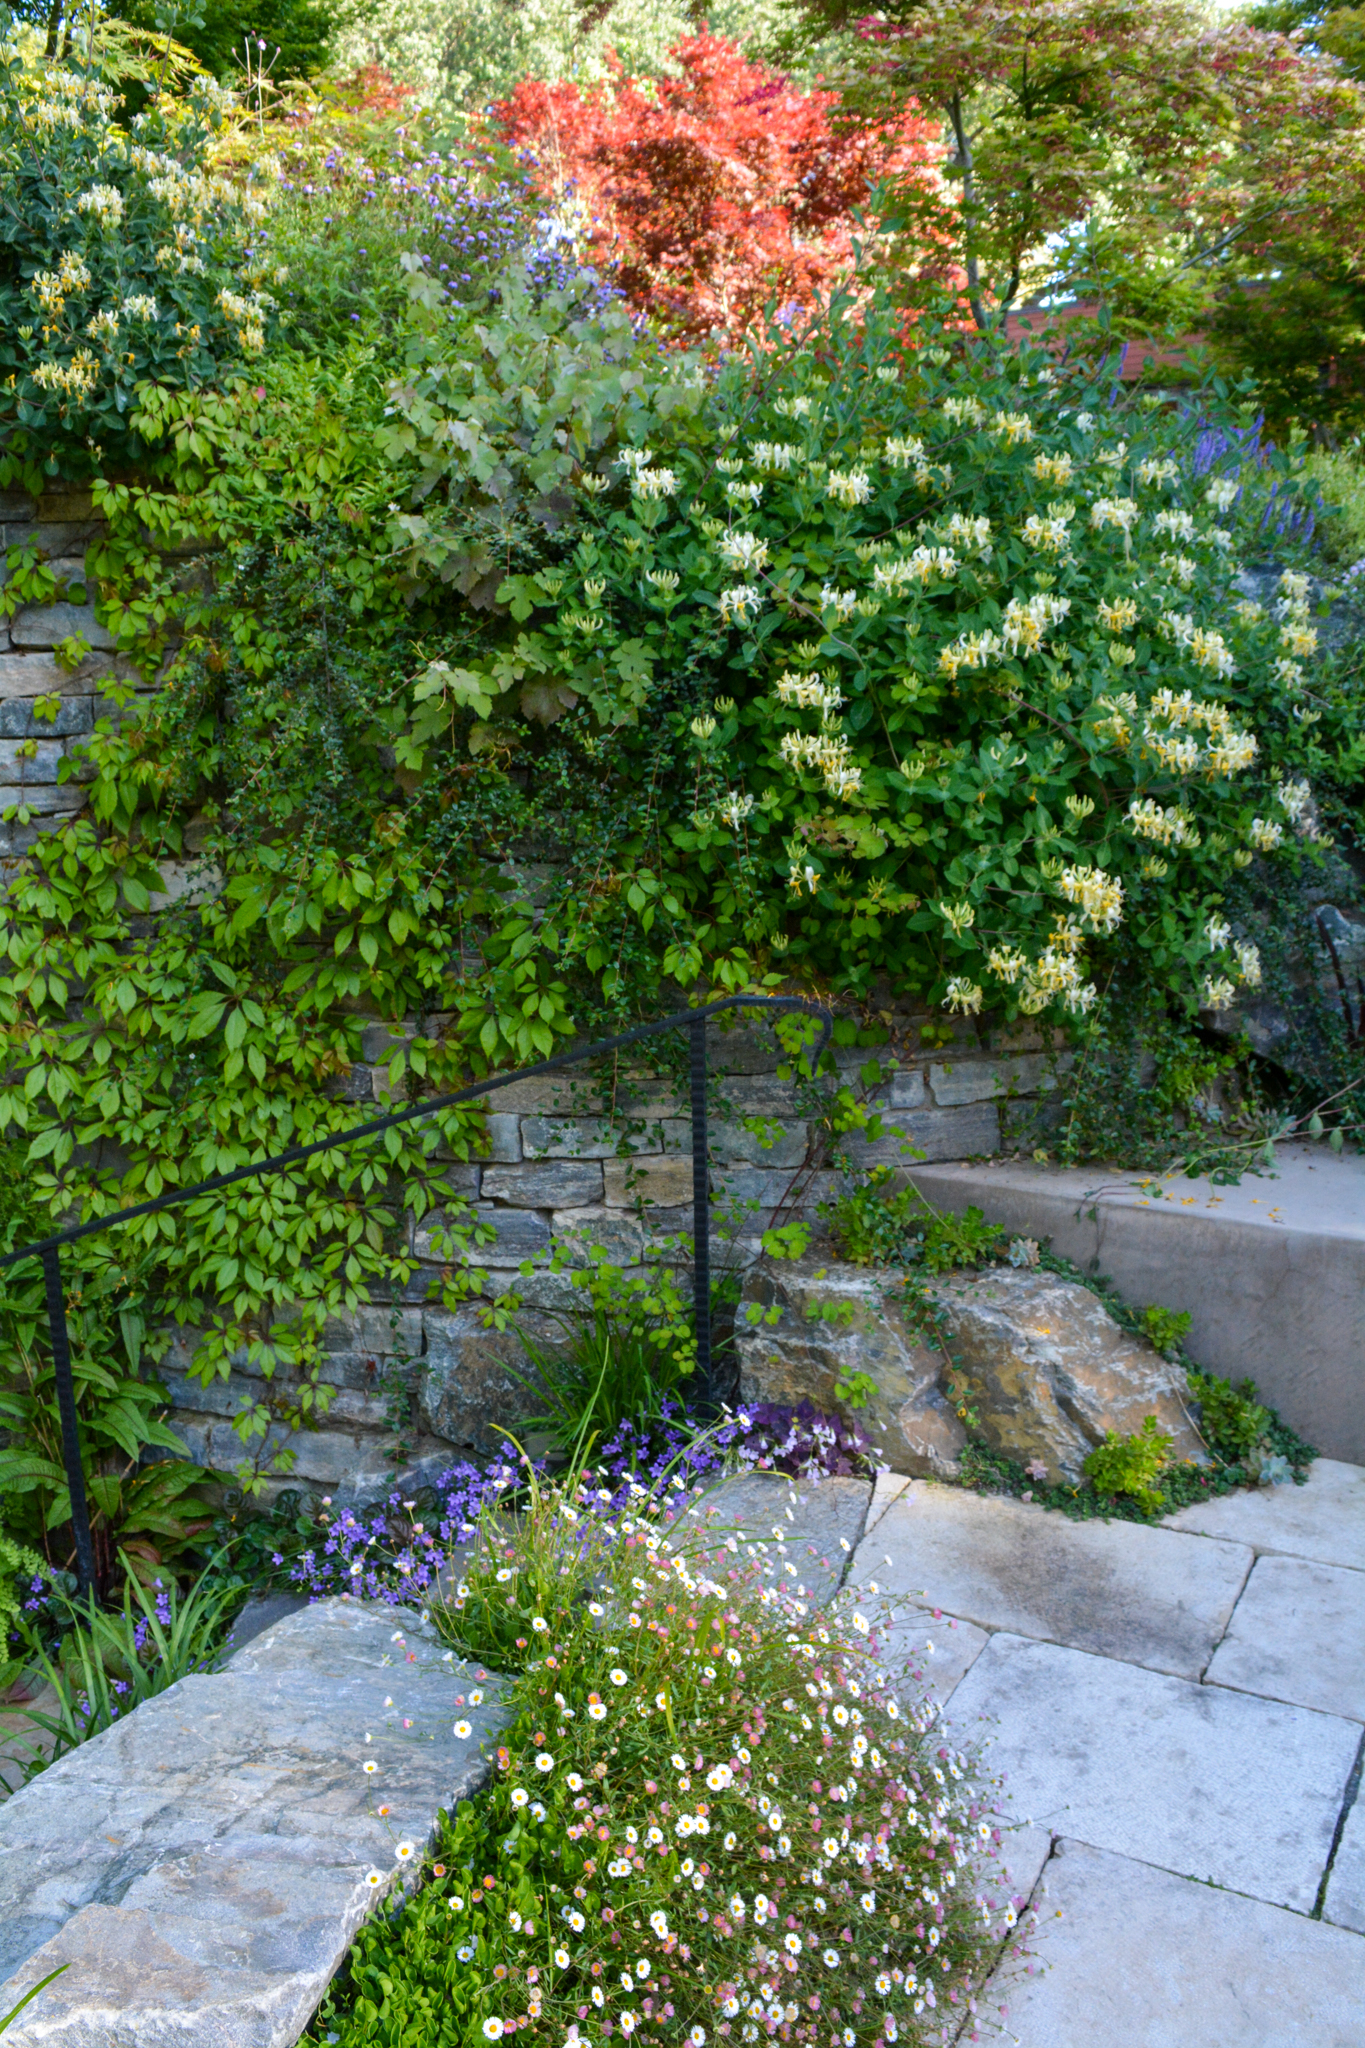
(716, 193)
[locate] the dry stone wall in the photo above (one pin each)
(417, 1385)
(59, 527)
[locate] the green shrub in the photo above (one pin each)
(878, 1227)
(972, 696)
(1166, 1327)
(1340, 475)
(678, 1835)
(1132, 1465)
(124, 255)
(1231, 1418)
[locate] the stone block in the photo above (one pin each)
(46, 625)
(39, 675)
(1118, 1589)
(929, 1134)
(19, 720)
(352, 1459)
(502, 1138)
(1138, 1958)
(187, 881)
(830, 1321)
(1297, 1634)
(475, 1381)
(1272, 1272)
(782, 1145)
(761, 1187)
(1050, 1370)
(545, 1184)
(263, 1611)
(201, 1865)
(29, 761)
(564, 1094)
(379, 1041)
(745, 1048)
(1344, 1904)
(378, 1330)
(579, 1232)
(1210, 1784)
(905, 1089)
(984, 1080)
(517, 1234)
(45, 799)
(660, 1183)
(356, 1084)
(602, 1137)
(757, 1095)
(1323, 1519)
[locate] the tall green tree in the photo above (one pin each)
(1132, 144)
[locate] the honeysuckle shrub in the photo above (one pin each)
(125, 255)
(961, 686)
(712, 1817)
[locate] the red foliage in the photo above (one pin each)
(715, 192)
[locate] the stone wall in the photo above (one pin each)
(560, 1168)
(60, 526)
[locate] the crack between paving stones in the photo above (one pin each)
(970, 2019)
(1348, 1800)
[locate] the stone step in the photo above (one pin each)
(1272, 1272)
(202, 1865)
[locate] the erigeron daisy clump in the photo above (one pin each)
(712, 1818)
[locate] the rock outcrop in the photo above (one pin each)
(1043, 1366)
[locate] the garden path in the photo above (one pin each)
(1178, 1712)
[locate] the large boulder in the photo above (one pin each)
(1044, 1368)
(823, 1322)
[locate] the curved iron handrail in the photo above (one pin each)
(48, 1249)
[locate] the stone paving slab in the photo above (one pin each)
(1323, 1519)
(201, 1866)
(1208, 1783)
(823, 1521)
(1344, 1904)
(1142, 1959)
(1119, 1589)
(928, 1654)
(1298, 1634)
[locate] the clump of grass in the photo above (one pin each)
(110, 1662)
(711, 1820)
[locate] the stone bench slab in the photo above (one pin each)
(201, 1866)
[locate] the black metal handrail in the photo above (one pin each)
(48, 1249)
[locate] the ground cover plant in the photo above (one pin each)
(711, 1817)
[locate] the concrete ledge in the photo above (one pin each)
(202, 1866)
(1272, 1272)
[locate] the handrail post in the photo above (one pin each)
(701, 1209)
(66, 1409)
